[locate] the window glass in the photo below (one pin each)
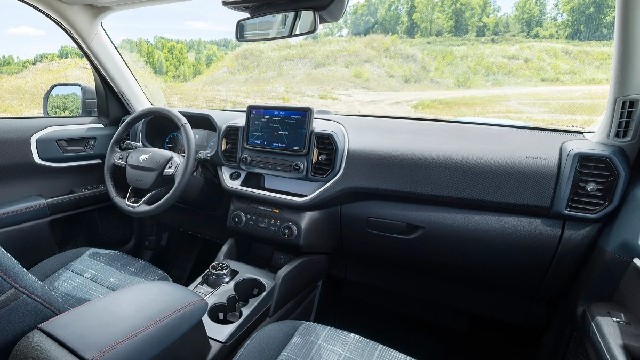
(543, 63)
(34, 55)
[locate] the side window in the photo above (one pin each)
(42, 72)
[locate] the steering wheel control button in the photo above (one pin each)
(288, 231)
(238, 218)
(120, 158)
(171, 167)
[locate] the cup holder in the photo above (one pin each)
(248, 288)
(226, 313)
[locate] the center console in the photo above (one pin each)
(241, 297)
(281, 153)
(265, 274)
(236, 293)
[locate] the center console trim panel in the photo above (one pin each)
(235, 186)
(226, 333)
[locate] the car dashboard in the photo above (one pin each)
(426, 194)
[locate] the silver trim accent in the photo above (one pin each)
(135, 205)
(36, 136)
(235, 185)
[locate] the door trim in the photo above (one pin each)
(34, 148)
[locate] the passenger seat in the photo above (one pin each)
(304, 340)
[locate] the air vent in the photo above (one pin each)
(229, 145)
(627, 117)
(324, 154)
(594, 183)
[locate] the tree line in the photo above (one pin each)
(183, 60)
(583, 20)
(172, 59)
(10, 65)
(179, 60)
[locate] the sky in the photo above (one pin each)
(25, 32)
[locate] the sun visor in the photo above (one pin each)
(329, 10)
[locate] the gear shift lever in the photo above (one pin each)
(219, 273)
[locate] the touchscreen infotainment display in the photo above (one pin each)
(282, 129)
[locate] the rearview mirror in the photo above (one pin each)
(70, 100)
(275, 26)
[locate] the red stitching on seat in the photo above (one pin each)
(26, 292)
(148, 327)
(22, 210)
(64, 313)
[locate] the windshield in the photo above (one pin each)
(524, 62)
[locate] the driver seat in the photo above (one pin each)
(60, 283)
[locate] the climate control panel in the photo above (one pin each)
(313, 231)
(261, 224)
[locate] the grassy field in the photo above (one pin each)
(565, 107)
(21, 94)
(545, 83)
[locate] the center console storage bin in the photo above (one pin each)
(155, 320)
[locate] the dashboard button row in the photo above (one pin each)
(272, 166)
(272, 225)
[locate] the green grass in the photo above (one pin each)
(338, 73)
(380, 75)
(22, 93)
(569, 108)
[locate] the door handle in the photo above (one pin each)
(77, 146)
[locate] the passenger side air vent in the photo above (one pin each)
(593, 186)
(626, 119)
(324, 154)
(229, 145)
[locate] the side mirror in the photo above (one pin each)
(279, 25)
(69, 100)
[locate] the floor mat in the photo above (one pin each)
(419, 338)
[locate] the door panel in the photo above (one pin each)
(49, 200)
(23, 177)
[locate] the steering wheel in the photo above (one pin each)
(156, 177)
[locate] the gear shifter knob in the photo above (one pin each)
(219, 273)
(219, 269)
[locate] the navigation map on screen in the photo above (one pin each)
(278, 129)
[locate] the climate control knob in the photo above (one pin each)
(288, 231)
(238, 218)
(245, 159)
(298, 166)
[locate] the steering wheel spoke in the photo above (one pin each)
(136, 197)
